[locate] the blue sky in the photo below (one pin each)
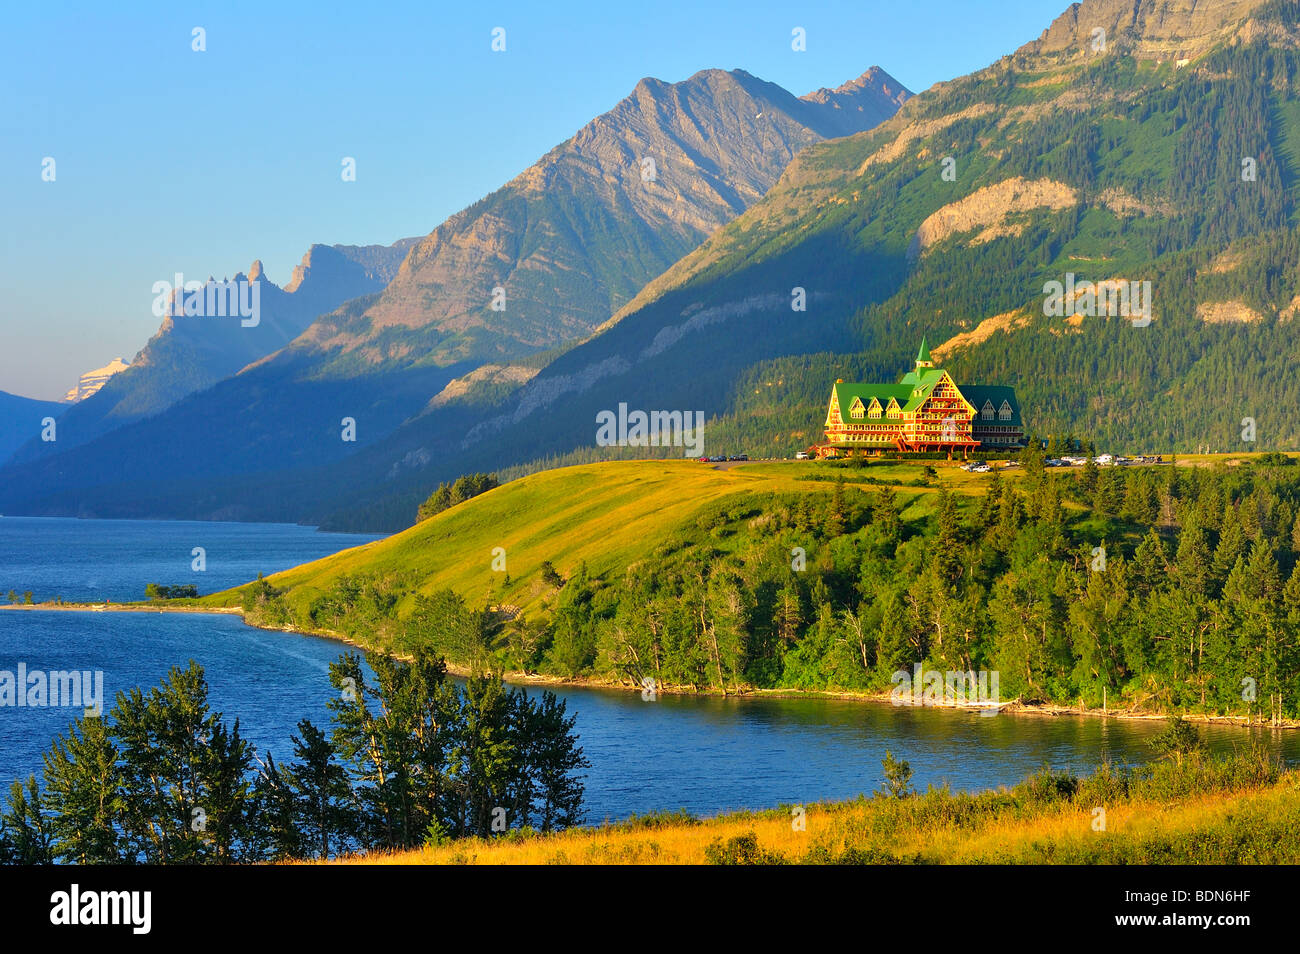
(172, 160)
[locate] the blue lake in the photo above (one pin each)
(703, 754)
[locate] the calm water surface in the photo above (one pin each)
(706, 755)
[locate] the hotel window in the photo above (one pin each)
(987, 413)
(856, 411)
(1004, 412)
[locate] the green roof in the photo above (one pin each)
(845, 393)
(977, 394)
(911, 391)
(915, 386)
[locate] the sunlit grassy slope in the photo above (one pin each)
(608, 515)
(1248, 826)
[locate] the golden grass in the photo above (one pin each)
(1060, 826)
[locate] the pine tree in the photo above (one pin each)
(946, 552)
(486, 756)
(1192, 562)
(789, 612)
(25, 836)
(552, 757)
(885, 516)
(82, 781)
(321, 795)
(1231, 546)
(185, 792)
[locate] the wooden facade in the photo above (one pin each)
(925, 411)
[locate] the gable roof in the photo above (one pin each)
(912, 390)
(977, 394)
(845, 394)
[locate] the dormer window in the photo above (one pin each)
(892, 410)
(1004, 412)
(874, 410)
(986, 413)
(856, 410)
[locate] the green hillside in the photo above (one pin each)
(1156, 588)
(607, 516)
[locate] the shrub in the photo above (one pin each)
(740, 850)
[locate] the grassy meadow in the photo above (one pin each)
(1239, 810)
(610, 516)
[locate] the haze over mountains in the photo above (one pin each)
(18, 415)
(567, 242)
(191, 353)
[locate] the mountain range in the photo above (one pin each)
(191, 353)
(21, 419)
(1154, 142)
(534, 267)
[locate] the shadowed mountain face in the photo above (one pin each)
(21, 420)
(558, 250)
(189, 354)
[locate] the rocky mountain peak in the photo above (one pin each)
(875, 83)
(1151, 29)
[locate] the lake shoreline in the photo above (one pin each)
(1014, 708)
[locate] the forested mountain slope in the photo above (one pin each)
(1165, 154)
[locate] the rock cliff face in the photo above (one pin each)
(1153, 29)
(989, 209)
(573, 237)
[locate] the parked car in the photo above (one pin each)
(802, 455)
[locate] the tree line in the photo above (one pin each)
(1167, 588)
(411, 758)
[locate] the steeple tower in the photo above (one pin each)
(923, 356)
